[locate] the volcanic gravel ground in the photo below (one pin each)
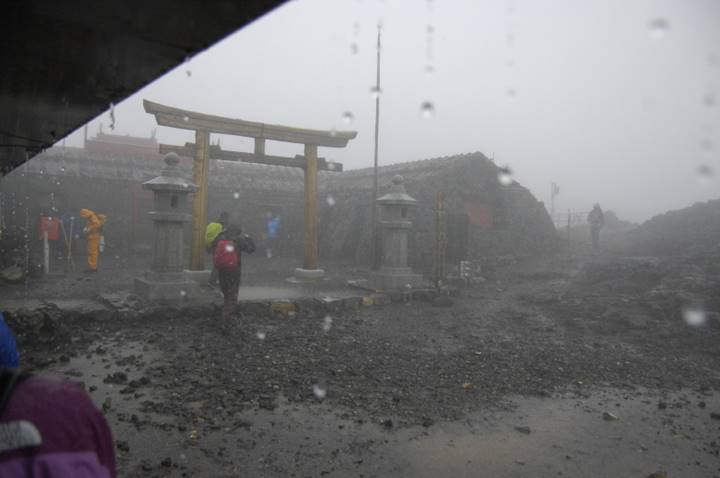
(549, 329)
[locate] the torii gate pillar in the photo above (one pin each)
(201, 167)
(310, 265)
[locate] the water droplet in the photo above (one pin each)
(62, 169)
(236, 195)
(375, 92)
(705, 173)
(658, 28)
(427, 110)
(709, 100)
(354, 48)
(327, 323)
(348, 117)
(331, 201)
(511, 93)
(319, 392)
(183, 293)
(333, 132)
(331, 166)
(429, 69)
(430, 29)
(694, 316)
(229, 248)
(186, 118)
(505, 176)
(268, 253)
(188, 73)
(261, 335)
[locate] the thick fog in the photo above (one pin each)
(617, 102)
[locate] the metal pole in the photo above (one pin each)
(375, 238)
(440, 240)
(568, 227)
(46, 253)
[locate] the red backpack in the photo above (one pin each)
(225, 257)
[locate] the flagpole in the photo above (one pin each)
(375, 238)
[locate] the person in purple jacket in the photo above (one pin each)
(50, 428)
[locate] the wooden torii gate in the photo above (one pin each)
(204, 124)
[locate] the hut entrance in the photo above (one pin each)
(457, 237)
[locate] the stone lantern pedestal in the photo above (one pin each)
(394, 272)
(165, 280)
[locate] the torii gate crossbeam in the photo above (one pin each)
(204, 124)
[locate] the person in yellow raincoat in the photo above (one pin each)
(92, 231)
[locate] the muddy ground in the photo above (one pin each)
(573, 365)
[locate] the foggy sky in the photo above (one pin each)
(596, 96)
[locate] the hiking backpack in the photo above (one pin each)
(225, 257)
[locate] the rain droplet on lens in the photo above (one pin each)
(331, 201)
(511, 92)
(659, 28)
(333, 132)
(260, 335)
(709, 100)
(375, 92)
(427, 110)
(705, 173)
(236, 195)
(694, 316)
(327, 323)
(186, 118)
(354, 48)
(268, 253)
(348, 117)
(429, 69)
(319, 392)
(505, 176)
(183, 293)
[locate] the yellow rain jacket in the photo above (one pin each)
(92, 232)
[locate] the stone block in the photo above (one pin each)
(201, 277)
(166, 291)
(388, 279)
(309, 274)
(284, 308)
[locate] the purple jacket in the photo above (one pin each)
(50, 429)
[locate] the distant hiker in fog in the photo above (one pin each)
(211, 233)
(273, 232)
(93, 233)
(596, 220)
(227, 249)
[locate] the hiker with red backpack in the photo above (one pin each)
(227, 248)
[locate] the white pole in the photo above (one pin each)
(46, 253)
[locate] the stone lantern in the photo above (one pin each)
(394, 272)
(165, 280)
